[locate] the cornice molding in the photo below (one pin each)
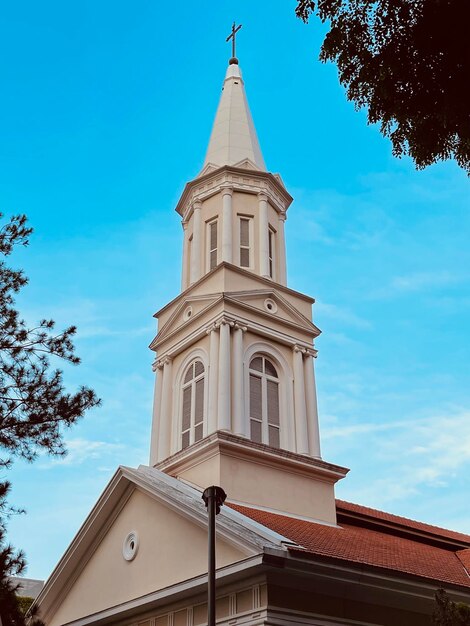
(237, 179)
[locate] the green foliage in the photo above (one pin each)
(24, 603)
(407, 62)
(34, 405)
(448, 613)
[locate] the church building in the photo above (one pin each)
(235, 406)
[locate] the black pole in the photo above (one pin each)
(213, 498)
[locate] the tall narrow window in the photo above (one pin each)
(264, 402)
(271, 252)
(212, 244)
(245, 260)
(192, 414)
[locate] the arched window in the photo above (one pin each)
(264, 402)
(192, 418)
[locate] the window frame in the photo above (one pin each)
(209, 250)
(191, 384)
(272, 252)
(249, 247)
(265, 418)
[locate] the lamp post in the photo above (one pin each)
(213, 497)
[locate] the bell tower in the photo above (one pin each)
(235, 397)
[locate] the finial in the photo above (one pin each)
(235, 29)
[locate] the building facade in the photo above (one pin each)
(235, 405)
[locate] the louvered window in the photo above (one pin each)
(264, 402)
(245, 254)
(212, 244)
(192, 414)
(271, 252)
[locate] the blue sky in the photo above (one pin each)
(105, 114)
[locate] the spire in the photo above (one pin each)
(233, 138)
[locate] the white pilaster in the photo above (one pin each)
(184, 273)
(227, 193)
(263, 235)
(157, 398)
(312, 410)
(213, 333)
(282, 249)
(165, 411)
(300, 408)
(224, 402)
(239, 427)
(196, 247)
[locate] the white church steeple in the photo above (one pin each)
(234, 210)
(233, 139)
(235, 386)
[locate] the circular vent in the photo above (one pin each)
(270, 305)
(130, 546)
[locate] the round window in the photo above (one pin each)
(187, 313)
(130, 546)
(270, 305)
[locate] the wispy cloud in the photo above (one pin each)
(327, 311)
(352, 430)
(418, 281)
(408, 457)
(83, 451)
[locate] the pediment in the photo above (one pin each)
(208, 169)
(279, 179)
(272, 305)
(246, 164)
(169, 522)
(186, 311)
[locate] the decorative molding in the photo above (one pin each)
(157, 365)
(232, 608)
(312, 352)
(161, 362)
(227, 190)
(256, 597)
(238, 326)
(248, 181)
(256, 328)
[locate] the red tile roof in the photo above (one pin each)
(343, 507)
(358, 543)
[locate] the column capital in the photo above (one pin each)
(157, 365)
(223, 321)
(238, 326)
(197, 204)
(297, 348)
(212, 328)
(311, 352)
(226, 322)
(184, 224)
(262, 196)
(282, 216)
(227, 190)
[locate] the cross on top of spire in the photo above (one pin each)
(232, 36)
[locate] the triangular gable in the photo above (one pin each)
(170, 522)
(283, 309)
(246, 164)
(207, 169)
(197, 304)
